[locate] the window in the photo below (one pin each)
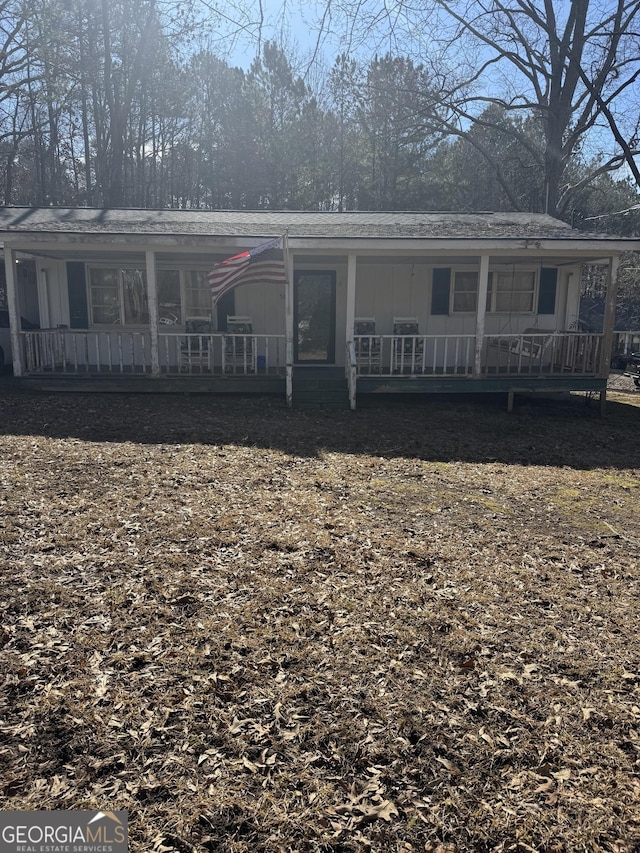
(118, 296)
(105, 297)
(169, 298)
(465, 292)
(134, 297)
(197, 294)
(514, 291)
(508, 291)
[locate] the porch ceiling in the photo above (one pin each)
(89, 255)
(108, 254)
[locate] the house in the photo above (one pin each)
(375, 302)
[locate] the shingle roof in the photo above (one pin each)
(88, 221)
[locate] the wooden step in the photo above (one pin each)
(318, 393)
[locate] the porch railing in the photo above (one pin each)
(535, 353)
(625, 343)
(222, 354)
(542, 353)
(426, 355)
(72, 351)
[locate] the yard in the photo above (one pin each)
(413, 627)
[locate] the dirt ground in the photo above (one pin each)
(413, 627)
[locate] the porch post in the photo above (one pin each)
(351, 317)
(288, 322)
(608, 322)
(152, 301)
(12, 306)
(481, 310)
(351, 296)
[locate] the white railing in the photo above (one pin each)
(624, 343)
(424, 355)
(540, 353)
(72, 351)
(224, 354)
(550, 353)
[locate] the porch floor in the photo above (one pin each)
(448, 384)
(101, 382)
(136, 383)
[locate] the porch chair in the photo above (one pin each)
(407, 346)
(195, 347)
(367, 348)
(239, 345)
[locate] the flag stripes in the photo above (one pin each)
(263, 265)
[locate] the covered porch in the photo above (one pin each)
(406, 303)
(252, 363)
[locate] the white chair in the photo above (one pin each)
(195, 349)
(239, 345)
(367, 345)
(408, 345)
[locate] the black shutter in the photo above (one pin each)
(226, 307)
(547, 292)
(77, 288)
(440, 290)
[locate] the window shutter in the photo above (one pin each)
(440, 289)
(547, 292)
(77, 288)
(226, 306)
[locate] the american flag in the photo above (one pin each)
(263, 265)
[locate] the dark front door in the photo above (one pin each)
(315, 317)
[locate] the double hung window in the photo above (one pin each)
(118, 296)
(197, 294)
(105, 297)
(508, 291)
(465, 292)
(514, 292)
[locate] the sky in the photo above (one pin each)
(244, 25)
(243, 29)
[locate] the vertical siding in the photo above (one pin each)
(265, 306)
(385, 291)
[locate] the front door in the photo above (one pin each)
(315, 316)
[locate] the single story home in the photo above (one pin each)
(370, 303)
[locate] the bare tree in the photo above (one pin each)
(573, 68)
(14, 73)
(574, 75)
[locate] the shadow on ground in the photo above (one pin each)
(469, 429)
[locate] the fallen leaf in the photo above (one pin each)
(562, 775)
(451, 767)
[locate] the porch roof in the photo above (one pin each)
(481, 225)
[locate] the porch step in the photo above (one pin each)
(319, 393)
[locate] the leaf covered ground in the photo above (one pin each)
(409, 628)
